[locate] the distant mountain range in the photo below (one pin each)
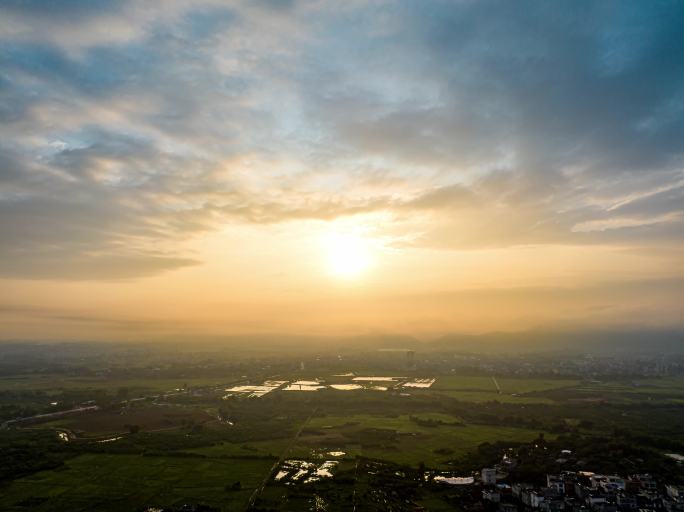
(576, 341)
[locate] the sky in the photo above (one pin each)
(202, 168)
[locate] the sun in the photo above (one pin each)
(348, 254)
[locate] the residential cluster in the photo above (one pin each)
(582, 491)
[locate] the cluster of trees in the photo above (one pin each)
(615, 453)
(23, 453)
(432, 422)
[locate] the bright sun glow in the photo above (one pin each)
(348, 254)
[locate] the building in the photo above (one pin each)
(626, 502)
(508, 507)
(518, 488)
(675, 493)
(612, 483)
(552, 505)
(645, 482)
(555, 483)
(532, 499)
(595, 499)
(491, 495)
(488, 476)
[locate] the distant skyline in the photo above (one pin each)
(339, 168)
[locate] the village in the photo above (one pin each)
(568, 491)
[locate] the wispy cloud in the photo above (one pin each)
(127, 127)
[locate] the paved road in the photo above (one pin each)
(498, 389)
(49, 415)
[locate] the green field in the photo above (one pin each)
(481, 396)
(401, 440)
(131, 482)
(270, 448)
(512, 390)
(670, 390)
(57, 382)
(529, 385)
(401, 423)
(147, 418)
(193, 447)
(465, 383)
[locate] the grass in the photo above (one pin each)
(438, 416)
(526, 385)
(400, 439)
(513, 390)
(148, 418)
(465, 383)
(663, 390)
(57, 382)
(401, 423)
(270, 448)
(479, 397)
(131, 482)
(669, 383)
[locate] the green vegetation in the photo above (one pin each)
(510, 390)
(53, 383)
(272, 448)
(402, 440)
(165, 436)
(146, 418)
(130, 482)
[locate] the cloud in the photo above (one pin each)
(127, 128)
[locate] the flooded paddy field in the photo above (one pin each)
(294, 471)
(361, 485)
(255, 390)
